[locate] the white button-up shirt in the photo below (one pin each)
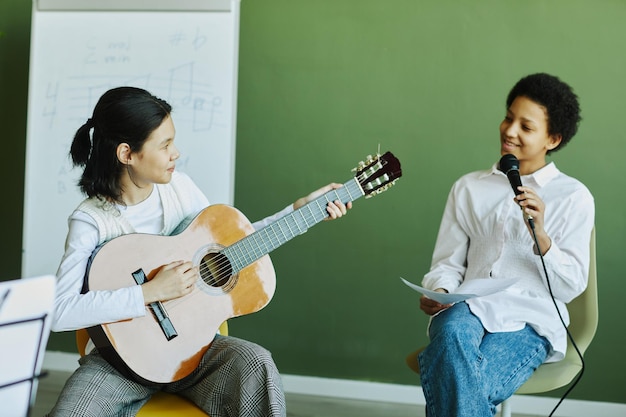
(483, 235)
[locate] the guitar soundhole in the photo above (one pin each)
(215, 270)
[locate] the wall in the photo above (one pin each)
(14, 49)
(323, 83)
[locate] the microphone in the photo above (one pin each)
(509, 164)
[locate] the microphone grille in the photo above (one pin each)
(508, 162)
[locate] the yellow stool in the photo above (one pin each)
(161, 404)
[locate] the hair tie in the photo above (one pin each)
(90, 123)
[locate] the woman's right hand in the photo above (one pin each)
(430, 306)
(174, 280)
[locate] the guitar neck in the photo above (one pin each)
(265, 240)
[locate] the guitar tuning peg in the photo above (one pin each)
(381, 189)
(359, 166)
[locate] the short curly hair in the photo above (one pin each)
(559, 100)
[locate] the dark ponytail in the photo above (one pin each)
(122, 115)
(81, 145)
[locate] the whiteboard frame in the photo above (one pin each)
(231, 6)
(130, 5)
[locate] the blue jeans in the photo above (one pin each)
(467, 371)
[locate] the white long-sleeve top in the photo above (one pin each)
(73, 310)
(483, 235)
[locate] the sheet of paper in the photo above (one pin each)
(25, 309)
(468, 289)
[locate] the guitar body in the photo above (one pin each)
(138, 347)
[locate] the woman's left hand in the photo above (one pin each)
(335, 208)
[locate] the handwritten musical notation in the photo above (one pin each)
(188, 81)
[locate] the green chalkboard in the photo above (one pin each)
(323, 83)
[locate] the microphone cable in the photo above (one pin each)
(569, 335)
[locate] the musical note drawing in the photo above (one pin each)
(181, 83)
(204, 114)
(49, 111)
(199, 40)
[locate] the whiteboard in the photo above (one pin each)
(187, 57)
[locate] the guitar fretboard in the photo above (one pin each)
(263, 241)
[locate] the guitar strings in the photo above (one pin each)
(223, 268)
(217, 273)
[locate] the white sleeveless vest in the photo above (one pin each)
(111, 224)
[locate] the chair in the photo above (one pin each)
(161, 404)
(583, 324)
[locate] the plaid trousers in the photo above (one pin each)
(234, 378)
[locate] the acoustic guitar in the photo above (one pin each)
(236, 277)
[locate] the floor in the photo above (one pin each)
(298, 405)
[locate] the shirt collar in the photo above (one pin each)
(541, 177)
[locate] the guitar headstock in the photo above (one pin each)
(377, 173)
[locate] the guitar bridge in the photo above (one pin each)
(159, 312)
